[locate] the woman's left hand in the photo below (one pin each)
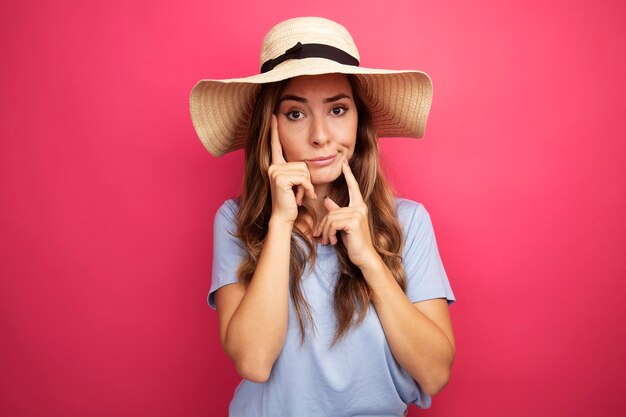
(351, 221)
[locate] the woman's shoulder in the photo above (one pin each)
(412, 215)
(408, 208)
(227, 212)
(230, 205)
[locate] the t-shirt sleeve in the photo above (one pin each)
(227, 249)
(425, 274)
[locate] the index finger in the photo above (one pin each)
(353, 186)
(277, 149)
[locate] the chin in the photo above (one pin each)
(327, 177)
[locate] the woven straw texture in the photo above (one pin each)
(220, 109)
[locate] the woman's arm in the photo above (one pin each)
(420, 335)
(253, 321)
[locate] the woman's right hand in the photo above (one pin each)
(284, 176)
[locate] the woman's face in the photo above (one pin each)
(317, 123)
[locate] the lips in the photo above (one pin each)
(322, 160)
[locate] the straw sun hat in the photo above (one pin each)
(221, 109)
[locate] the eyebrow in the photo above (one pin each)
(304, 100)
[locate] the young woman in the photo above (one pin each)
(331, 294)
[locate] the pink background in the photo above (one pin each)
(108, 197)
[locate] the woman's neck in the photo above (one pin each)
(321, 190)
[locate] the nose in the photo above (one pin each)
(318, 134)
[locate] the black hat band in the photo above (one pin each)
(311, 50)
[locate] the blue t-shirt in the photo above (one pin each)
(357, 377)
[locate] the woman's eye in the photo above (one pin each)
(294, 115)
(338, 111)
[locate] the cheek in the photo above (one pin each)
(293, 142)
(290, 151)
(348, 138)
(351, 125)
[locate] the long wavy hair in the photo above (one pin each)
(352, 295)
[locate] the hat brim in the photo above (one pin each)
(399, 101)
